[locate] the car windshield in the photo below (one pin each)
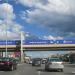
(0, 59)
(5, 59)
(55, 60)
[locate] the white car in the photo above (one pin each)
(54, 64)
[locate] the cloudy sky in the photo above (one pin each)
(45, 19)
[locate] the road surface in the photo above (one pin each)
(27, 69)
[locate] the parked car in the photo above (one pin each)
(27, 59)
(36, 62)
(30, 61)
(54, 64)
(72, 58)
(44, 60)
(7, 63)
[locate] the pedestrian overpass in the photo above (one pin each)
(40, 45)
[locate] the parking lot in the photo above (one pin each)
(27, 69)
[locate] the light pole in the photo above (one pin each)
(22, 54)
(6, 43)
(6, 32)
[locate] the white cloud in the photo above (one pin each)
(7, 23)
(32, 3)
(53, 11)
(0, 22)
(56, 15)
(72, 33)
(9, 36)
(13, 30)
(65, 6)
(50, 37)
(17, 28)
(27, 2)
(27, 35)
(6, 11)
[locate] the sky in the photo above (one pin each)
(43, 54)
(43, 19)
(37, 19)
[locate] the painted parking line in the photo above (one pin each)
(39, 72)
(73, 71)
(20, 64)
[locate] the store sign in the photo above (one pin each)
(9, 42)
(49, 42)
(37, 42)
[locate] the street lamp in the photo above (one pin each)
(22, 54)
(6, 32)
(6, 43)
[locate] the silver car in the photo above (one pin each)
(54, 64)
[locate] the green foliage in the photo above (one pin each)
(18, 45)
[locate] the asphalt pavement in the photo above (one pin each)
(27, 69)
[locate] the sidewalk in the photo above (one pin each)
(20, 63)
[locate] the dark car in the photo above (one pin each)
(8, 63)
(72, 58)
(36, 62)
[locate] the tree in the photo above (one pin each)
(18, 45)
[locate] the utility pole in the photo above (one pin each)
(22, 54)
(6, 51)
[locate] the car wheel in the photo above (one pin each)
(15, 67)
(61, 70)
(46, 69)
(33, 65)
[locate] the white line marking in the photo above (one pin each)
(39, 72)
